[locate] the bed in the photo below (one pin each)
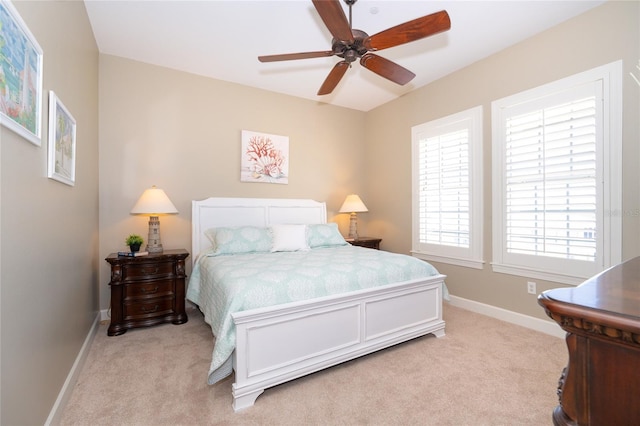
(324, 314)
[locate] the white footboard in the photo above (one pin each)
(275, 345)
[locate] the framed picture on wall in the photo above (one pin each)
(265, 158)
(20, 76)
(62, 142)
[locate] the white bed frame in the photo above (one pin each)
(281, 343)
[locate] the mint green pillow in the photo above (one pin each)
(324, 235)
(241, 239)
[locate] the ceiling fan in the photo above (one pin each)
(351, 44)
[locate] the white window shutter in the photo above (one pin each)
(551, 181)
(556, 178)
(444, 189)
(447, 189)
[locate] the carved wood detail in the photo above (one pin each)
(572, 324)
(599, 385)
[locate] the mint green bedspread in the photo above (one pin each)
(224, 284)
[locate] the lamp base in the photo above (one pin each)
(153, 241)
(353, 226)
(156, 249)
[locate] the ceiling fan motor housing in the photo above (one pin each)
(350, 52)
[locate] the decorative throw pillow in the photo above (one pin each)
(241, 239)
(324, 235)
(289, 238)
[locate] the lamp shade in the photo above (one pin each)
(154, 201)
(353, 204)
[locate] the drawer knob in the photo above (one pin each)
(149, 311)
(147, 291)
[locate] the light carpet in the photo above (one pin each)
(483, 372)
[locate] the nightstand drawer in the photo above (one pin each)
(148, 309)
(149, 270)
(145, 290)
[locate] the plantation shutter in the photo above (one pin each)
(551, 180)
(443, 180)
(557, 179)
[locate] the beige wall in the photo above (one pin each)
(49, 230)
(181, 132)
(603, 35)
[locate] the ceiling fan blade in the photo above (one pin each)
(386, 68)
(334, 19)
(291, 56)
(334, 77)
(409, 31)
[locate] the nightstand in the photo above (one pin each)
(147, 290)
(368, 242)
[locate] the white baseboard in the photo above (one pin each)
(104, 315)
(543, 326)
(72, 377)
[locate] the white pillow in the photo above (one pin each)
(289, 238)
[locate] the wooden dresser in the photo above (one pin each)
(147, 290)
(601, 383)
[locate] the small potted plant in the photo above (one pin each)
(134, 242)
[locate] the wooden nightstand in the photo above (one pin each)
(368, 242)
(147, 290)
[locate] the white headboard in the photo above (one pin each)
(216, 212)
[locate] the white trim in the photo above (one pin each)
(104, 315)
(613, 165)
(543, 326)
(72, 377)
(468, 263)
(521, 271)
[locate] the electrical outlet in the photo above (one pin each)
(531, 287)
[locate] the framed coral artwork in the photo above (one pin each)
(265, 158)
(20, 76)
(62, 142)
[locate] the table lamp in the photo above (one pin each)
(353, 204)
(153, 202)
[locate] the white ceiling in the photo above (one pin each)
(222, 39)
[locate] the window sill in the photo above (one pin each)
(538, 274)
(467, 263)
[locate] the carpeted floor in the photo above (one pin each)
(483, 372)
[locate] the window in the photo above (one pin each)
(447, 189)
(556, 165)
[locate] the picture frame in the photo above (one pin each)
(62, 142)
(265, 158)
(21, 61)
